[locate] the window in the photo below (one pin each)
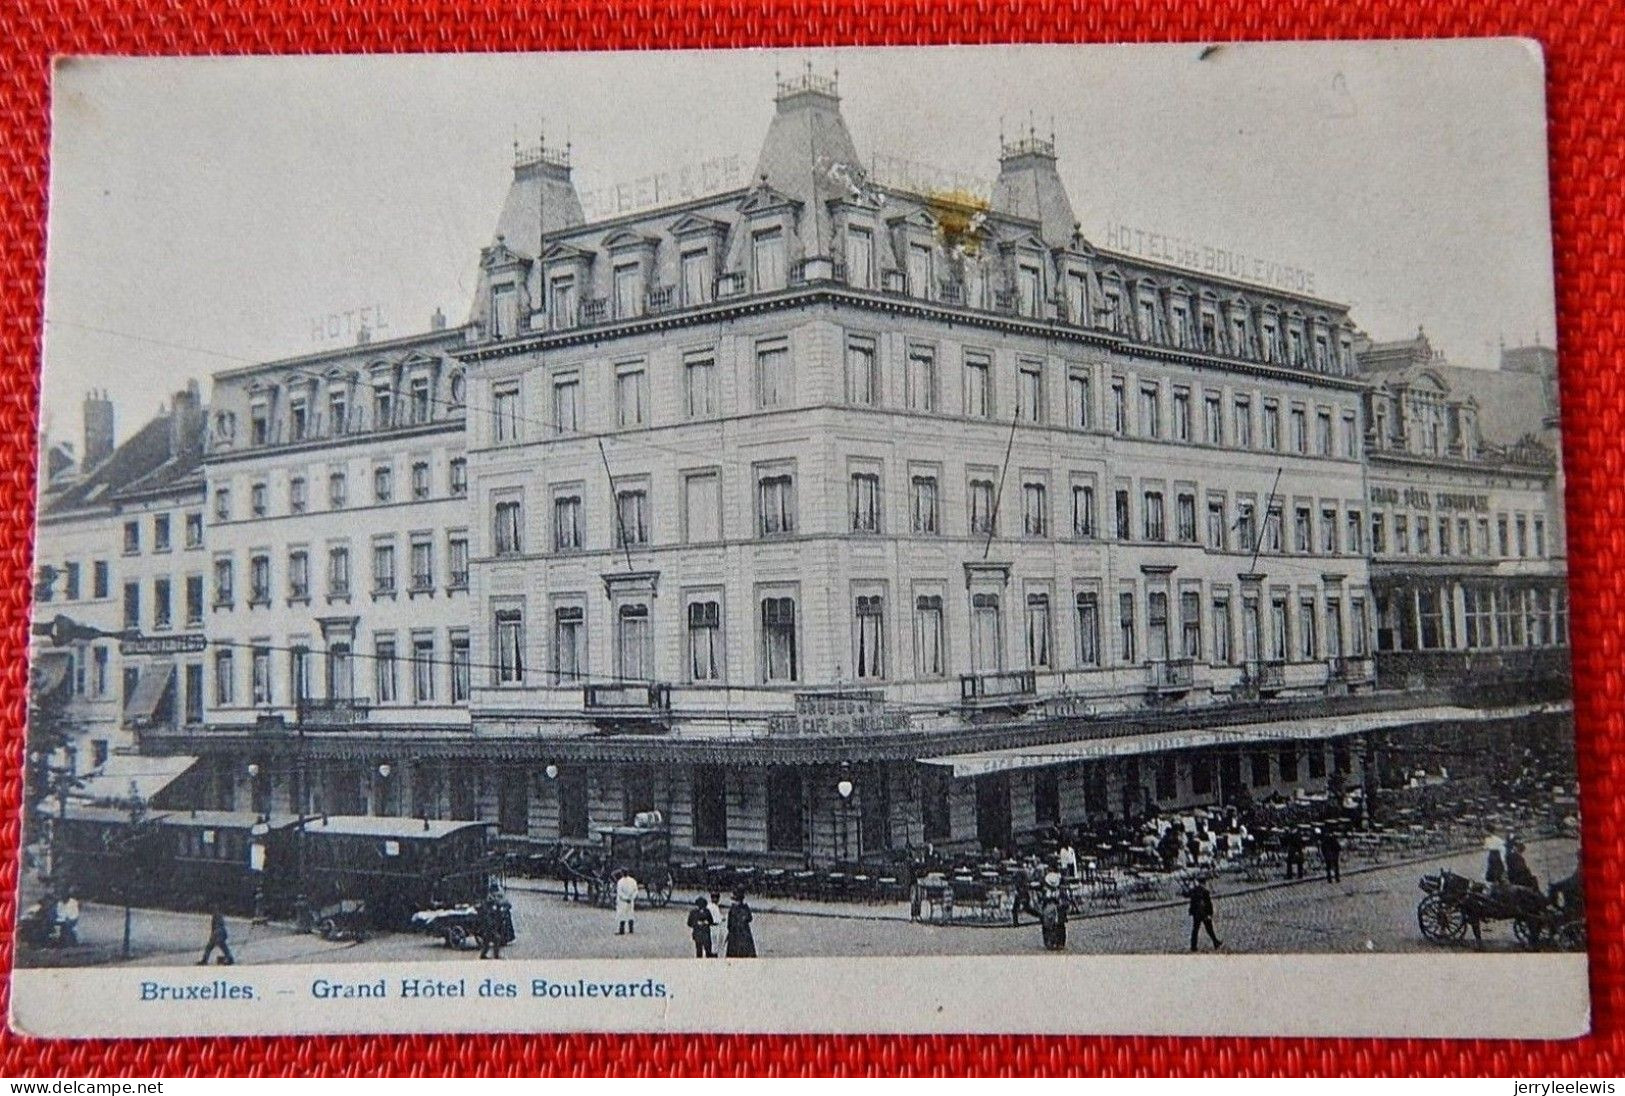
(696, 276)
(1080, 400)
(569, 644)
(461, 680)
(259, 580)
(338, 412)
(1323, 433)
(1361, 625)
(222, 583)
(1484, 536)
(921, 379)
(1155, 528)
(864, 499)
(72, 581)
(457, 561)
(383, 483)
(1307, 646)
(457, 476)
(862, 381)
(1444, 536)
(700, 385)
(510, 646)
(422, 667)
(505, 413)
(383, 569)
(225, 678)
(1243, 415)
(422, 559)
(1464, 537)
(786, 820)
(1119, 406)
(1035, 510)
(704, 640)
(421, 404)
(504, 311)
(566, 403)
(1503, 541)
(1424, 535)
(1039, 636)
(162, 604)
(627, 279)
(562, 301)
(1086, 607)
(767, 259)
(260, 672)
(1120, 516)
(1221, 630)
(383, 667)
(1246, 525)
(1351, 436)
(160, 533)
(1030, 393)
(1379, 535)
(259, 424)
(1125, 627)
(1182, 414)
(1328, 531)
(987, 633)
(772, 374)
(1272, 425)
(1190, 624)
(132, 537)
(298, 496)
(1522, 526)
(776, 503)
(1301, 541)
(420, 479)
(298, 575)
(631, 517)
(1402, 534)
(1278, 629)
(1151, 412)
(194, 600)
(869, 645)
(778, 639)
(631, 396)
(634, 651)
(257, 505)
(919, 270)
(1212, 419)
(1299, 430)
(1083, 510)
(383, 406)
(924, 504)
(1028, 283)
(860, 251)
(702, 507)
(978, 386)
(338, 572)
(1156, 625)
(338, 490)
(1185, 518)
(508, 522)
(930, 655)
(1354, 532)
(1215, 524)
(1540, 538)
(981, 507)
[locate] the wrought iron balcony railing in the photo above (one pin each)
(334, 712)
(997, 685)
(628, 698)
(1171, 675)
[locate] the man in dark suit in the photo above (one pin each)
(1201, 911)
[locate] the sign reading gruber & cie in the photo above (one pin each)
(185, 644)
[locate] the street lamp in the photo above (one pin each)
(844, 788)
(551, 772)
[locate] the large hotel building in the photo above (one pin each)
(829, 517)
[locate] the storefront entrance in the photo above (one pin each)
(993, 811)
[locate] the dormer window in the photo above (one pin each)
(1294, 341)
(561, 297)
(259, 423)
(298, 420)
(338, 411)
(1029, 287)
(919, 270)
(383, 407)
(421, 402)
(768, 259)
(628, 290)
(860, 257)
(504, 311)
(698, 276)
(1271, 340)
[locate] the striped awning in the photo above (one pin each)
(148, 695)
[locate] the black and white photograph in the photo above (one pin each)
(1007, 538)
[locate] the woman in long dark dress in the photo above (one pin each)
(741, 944)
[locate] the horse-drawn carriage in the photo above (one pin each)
(642, 850)
(1451, 904)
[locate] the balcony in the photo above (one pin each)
(594, 310)
(634, 698)
(334, 714)
(662, 298)
(1267, 677)
(1417, 669)
(1171, 676)
(1354, 669)
(999, 687)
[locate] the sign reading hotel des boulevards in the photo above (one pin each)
(1421, 499)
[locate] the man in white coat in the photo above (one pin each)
(626, 897)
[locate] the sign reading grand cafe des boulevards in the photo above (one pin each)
(829, 518)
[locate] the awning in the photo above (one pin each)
(49, 671)
(148, 694)
(125, 777)
(1316, 728)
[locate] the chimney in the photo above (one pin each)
(98, 428)
(437, 322)
(186, 421)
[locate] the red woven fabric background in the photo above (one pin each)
(1584, 48)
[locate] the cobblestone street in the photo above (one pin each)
(1372, 909)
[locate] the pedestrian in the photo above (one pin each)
(718, 926)
(741, 942)
(626, 904)
(1068, 859)
(1201, 911)
(217, 939)
(1023, 900)
(1052, 913)
(495, 924)
(1331, 855)
(67, 920)
(699, 927)
(1292, 845)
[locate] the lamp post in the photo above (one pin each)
(844, 788)
(381, 800)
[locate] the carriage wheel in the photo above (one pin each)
(1440, 921)
(456, 937)
(1524, 930)
(1572, 936)
(328, 928)
(660, 891)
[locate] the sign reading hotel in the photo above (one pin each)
(1419, 499)
(1224, 262)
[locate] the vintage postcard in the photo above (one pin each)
(1062, 539)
